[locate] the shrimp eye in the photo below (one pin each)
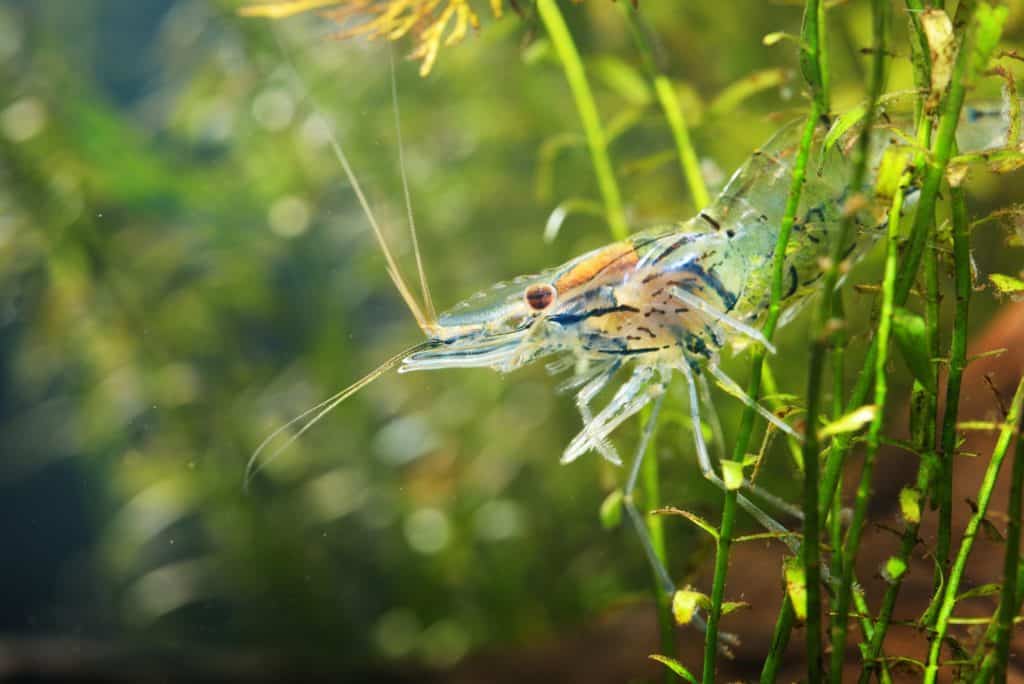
(539, 297)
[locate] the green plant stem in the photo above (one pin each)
(1009, 600)
(988, 483)
(998, 657)
(847, 556)
(669, 102)
(651, 474)
(780, 640)
(597, 140)
(853, 535)
(723, 546)
(874, 649)
(941, 149)
(687, 156)
(835, 520)
(816, 72)
(754, 390)
(957, 362)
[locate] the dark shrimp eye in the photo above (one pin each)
(539, 297)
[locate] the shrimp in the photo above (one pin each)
(662, 302)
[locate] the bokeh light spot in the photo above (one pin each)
(397, 632)
(24, 119)
(289, 216)
(499, 519)
(273, 109)
(428, 530)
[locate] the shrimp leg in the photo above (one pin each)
(706, 469)
(590, 389)
(777, 502)
(634, 394)
(660, 571)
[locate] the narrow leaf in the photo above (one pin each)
(910, 505)
(911, 335)
(623, 79)
(894, 569)
(796, 586)
(851, 422)
(675, 666)
(611, 510)
(1007, 286)
(732, 474)
(735, 93)
(730, 606)
(685, 603)
(980, 591)
(692, 517)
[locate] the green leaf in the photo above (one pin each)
(911, 335)
(730, 606)
(571, 206)
(910, 505)
(1007, 285)
(891, 170)
(982, 590)
(611, 510)
(844, 123)
(991, 532)
(988, 23)
(538, 51)
(685, 603)
(851, 422)
(776, 37)
(675, 666)
(735, 93)
(796, 586)
(894, 569)
(732, 474)
(692, 517)
(623, 79)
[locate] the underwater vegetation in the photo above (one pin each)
(185, 267)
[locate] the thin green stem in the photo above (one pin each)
(650, 472)
(995, 658)
(956, 572)
(1009, 601)
(848, 555)
(669, 102)
(874, 649)
(957, 362)
(939, 158)
(780, 640)
(853, 535)
(718, 585)
(597, 140)
(754, 388)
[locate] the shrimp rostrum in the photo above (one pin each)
(633, 314)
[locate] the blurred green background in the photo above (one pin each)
(183, 268)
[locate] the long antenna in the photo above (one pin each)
(427, 325)
(314, 414)
(428, 303)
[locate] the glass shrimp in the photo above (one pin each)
(661, 302)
